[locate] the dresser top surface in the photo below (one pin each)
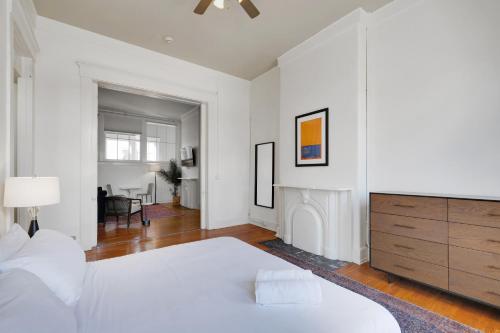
(440, 195)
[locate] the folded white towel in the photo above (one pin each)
(291, 274)
(288, 292)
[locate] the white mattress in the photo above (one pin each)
(208, 286)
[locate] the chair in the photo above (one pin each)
(109, 190)
(121, 206)
(148, 193)
(101, 204)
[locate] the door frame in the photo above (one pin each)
(18, 54)
(91, 77)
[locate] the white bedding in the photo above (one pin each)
(208, 286)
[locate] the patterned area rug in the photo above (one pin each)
(151, 212)
(411, 318)
(328, 264)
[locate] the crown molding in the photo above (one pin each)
(24, 18)
(346, 23)
(190, 113)
(390, 10)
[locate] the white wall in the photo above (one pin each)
(434, 97)
(327, 71)
(118, 123)
(134, 103)
(58, 130)
(264, 127)
(190, 136)
(6, 46)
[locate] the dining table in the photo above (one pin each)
(129, 189)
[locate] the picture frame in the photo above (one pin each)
(312, 139)
(264, 175)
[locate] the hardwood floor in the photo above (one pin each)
(114, 242)
(118, 241)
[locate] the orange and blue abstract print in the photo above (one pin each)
(311, 140)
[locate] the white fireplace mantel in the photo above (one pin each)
(316, 219)
(331, 189)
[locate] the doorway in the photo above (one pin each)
(148, 168)
(93, 77)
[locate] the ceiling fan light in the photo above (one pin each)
(219, 4)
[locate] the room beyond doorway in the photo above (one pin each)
(142, 139)
(94, 77)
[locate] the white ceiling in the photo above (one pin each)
(113, 100)
(225, 40)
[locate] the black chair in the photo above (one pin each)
(101, 204)
(121, 206)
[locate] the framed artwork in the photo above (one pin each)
(264, 175)
(311, 139)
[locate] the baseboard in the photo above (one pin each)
(364, 255)
(269, 225)
(227, 223)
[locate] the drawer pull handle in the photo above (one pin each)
(404, 206)
(405, 268)
(404, 226)
(493, 293)
(494, 267)
(404, 247)
(494, 241)
(493, 215)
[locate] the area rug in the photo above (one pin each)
(151, 212)
(411, 318)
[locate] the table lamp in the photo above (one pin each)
(155, 168)
(31, 192)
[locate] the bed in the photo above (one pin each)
(208, 286)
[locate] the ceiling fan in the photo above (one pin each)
(247, 5)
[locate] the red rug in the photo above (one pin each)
(150, 212)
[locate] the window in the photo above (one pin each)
(123, 146)
(161, 142)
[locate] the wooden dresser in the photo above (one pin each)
(449, 243)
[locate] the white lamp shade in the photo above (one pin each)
(154, 167)
(31, 191)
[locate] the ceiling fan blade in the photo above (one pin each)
(250, 8)
(202, 6)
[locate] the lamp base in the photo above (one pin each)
(33, 228)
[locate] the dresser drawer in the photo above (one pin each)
(434, 253)
(475, 262)
(473, 286)
(431, 274)
(430, 230)
(423, 207)
(484, 213)
(475, 237)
